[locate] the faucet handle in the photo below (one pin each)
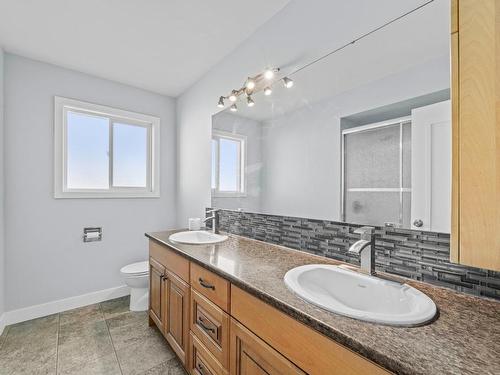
(365, 230)
(212, 211)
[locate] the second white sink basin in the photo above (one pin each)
(361, 296)
(197, 237)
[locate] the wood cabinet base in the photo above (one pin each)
(215, 328)
(311, 351)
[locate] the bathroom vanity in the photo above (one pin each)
(225, 309)
(305, 168)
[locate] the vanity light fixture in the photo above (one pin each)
(287, 82)
(252, 85)
(269, 74)
(233, 96)
(221, 102)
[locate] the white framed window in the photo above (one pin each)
(228, 164)
(104, 152)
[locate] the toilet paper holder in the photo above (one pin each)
(91, 234)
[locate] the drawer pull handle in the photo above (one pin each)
(204, 284)
(201, 369)
(200, 323)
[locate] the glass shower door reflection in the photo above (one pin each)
(375, 163)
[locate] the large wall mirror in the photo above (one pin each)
(363, 136)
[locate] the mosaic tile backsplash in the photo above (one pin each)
(418, 255)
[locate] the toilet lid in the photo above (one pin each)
(138, 268)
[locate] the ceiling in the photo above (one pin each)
(160, 45)
(411, 42)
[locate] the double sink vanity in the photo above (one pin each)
(401, 150)
(231, 305)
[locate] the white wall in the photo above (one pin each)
(302, 152)
(45, 256)
(2, 237)
(252, 130)
(301, 31)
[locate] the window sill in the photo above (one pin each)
(229, 195)
(105, 195)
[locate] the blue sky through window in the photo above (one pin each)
(228, 164)
(88, 153)
(130, 148)
(87, 144)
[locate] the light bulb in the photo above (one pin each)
(268, 91)
(250, 101)
(233, 108)
(221, 102)
(287, 82)
(232, 97)
(268, 74)
(250, 84)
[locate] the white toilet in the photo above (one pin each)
(136, 276)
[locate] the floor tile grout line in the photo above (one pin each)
(5, 333)
(58, 357)
(111, 338)
(107, 330)
(57, 342)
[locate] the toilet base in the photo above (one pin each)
(139, 299)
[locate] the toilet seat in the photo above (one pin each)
(136, 269)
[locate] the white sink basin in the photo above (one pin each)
(197, 237)
(360, 296)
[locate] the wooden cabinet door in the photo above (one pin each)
(156, 289)
(252, 356)
(476, 133)
(177, 315)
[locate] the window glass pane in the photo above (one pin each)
(130, 155)
(87, 151)
(229, 164)
(214, 163)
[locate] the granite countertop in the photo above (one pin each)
(465, 338)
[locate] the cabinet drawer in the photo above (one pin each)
(170, 259)
(214, 287)
(251, 355)
(201, 361)
(211, 326)
(310, 350)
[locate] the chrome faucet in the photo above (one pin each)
(365, 247)
(215, 220)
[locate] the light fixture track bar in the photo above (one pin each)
(261, 81)
(362, 37)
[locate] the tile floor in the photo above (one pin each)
(104, 338)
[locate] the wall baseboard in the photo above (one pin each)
(44, 309)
